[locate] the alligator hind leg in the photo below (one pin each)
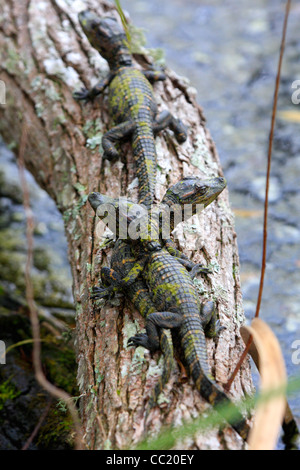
(113, 136)
(112, 283)
(156, 320)
(210, 322)
(115, 282)
(166, 119)
(154, 75)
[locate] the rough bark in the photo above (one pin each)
(45, 56)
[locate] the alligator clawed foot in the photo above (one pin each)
(101, 292)
(83, 94)
(219, 328)
(199, 268)
(140, 339)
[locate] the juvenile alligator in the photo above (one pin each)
(131, 102)
(191, 191)
(175, 299)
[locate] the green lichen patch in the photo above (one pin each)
(214, 267)
(13, 62)
(95, 141)
(138, 43)
(93, 131)
(200, 287)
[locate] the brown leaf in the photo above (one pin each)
(266, 353)
(247, 213)
(290, 115)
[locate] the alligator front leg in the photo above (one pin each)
(166, 119)
(156, 320)
(115, 135)
(154, 75)
(85, 94)
(113, 282)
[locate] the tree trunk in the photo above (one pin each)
(45, 57)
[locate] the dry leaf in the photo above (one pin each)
(266, 353)
(247, 213)
(291, 116)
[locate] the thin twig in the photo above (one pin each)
(266, 205)
(42, 380)
(38, 425)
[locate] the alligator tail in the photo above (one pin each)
(217, 398)
(194, 345)
(144, 153)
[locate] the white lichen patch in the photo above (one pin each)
(202, 158)
(55, 66)
(130, 329)
(162, 157)
(65, 41)
(124, 370)
(98, 62)
(137, 361)
(155, 369)
(45, 48)
(134, 184)
(74, 57)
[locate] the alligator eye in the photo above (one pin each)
(201, 189)
(94, 25)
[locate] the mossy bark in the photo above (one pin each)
(45, 57)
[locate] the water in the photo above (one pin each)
(51, 271)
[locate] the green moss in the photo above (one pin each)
(60, 365)
(11, 268)
(50, 287)
(138, 42)
(8, 391)
(41, 259)
(56, 430)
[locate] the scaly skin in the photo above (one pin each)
(188, 191)
(131, 102)
(176, 301)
